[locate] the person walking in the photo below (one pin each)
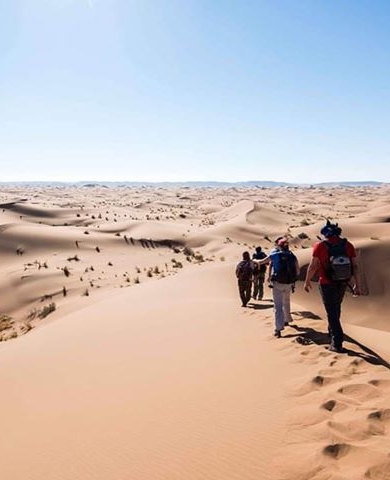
(284, 270)
(258, 274)
(244, 274)
(284, 273)
(334, 260)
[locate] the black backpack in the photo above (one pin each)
(284, 267)
(339, 268)
(245, 270)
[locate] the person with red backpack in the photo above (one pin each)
(244, 274)
(334, 260)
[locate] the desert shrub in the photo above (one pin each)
(75, 258)
(136, 280)
(303, 235)
(188, 252)
(5, 322)
(46, 310)
(149, 273)
(156, 270)
(222, 259)
(66, 271)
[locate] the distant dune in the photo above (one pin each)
(125, 353)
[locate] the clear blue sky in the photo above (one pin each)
(289, 90)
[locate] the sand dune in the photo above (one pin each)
(125, 352)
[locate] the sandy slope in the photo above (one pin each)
(133, 388)
(138, 361)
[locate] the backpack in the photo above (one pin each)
(339, 268)
(245, 270)
(284, 268)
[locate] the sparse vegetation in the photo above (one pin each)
(46, 310)
(5, 322)
(303, 236)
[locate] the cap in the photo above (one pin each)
(330, 229)
(282, 242)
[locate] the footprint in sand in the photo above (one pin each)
(379, 472)
(354, 430)
(380, 383)
(334, 406)
(360, 391)
(336, 450)
(382, 415)
(378, 420)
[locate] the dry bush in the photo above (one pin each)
(5, 322)
(46, 310)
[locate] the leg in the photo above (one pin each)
(248, 290)
(287, 304)
(332, 296)
(277, 293)
(261, 286)
(241, 290)
(255, 285)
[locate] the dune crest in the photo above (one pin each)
(125, 352)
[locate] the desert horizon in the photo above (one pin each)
(125, 352)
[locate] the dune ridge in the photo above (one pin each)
(125, 353)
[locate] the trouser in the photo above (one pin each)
(258, 285)
(245, 288)
(332, 297)
(281, 293)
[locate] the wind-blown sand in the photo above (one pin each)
(126, 354)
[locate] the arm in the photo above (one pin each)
(298, 270)
(269, 272)
(263, 261)
(355, 276)
(311, 271)
(238, 269)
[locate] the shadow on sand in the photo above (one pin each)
(308, 336)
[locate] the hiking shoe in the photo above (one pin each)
(277, 334)
(332, 348)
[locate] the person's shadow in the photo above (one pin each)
(308, 336)
(261, 306)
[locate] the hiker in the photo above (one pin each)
(334, 260)
(284, 271)
(258, 274)
(244, 273)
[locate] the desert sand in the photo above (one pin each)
(125, 353)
